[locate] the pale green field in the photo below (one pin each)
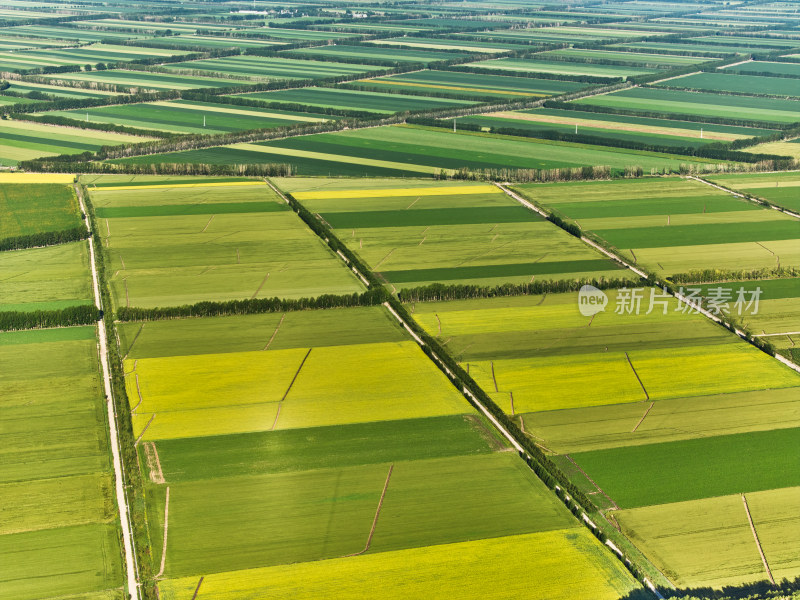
(208, 246)
(45, 278)
(240, 391)
(709, 542)
(593, 428)
(561, 564)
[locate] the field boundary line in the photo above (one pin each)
(585, 474)
(274, 333)
(289, 389)
(197, 589)
(377, 514)
(136, 337)
(647, 412)
(131, 568)
(164, 546)
(620, 260)
(776, 334)
(141, 435)
(747, 197)
(209, 223)
(639, 379)
(138, 391)
(263, 281)
(758, 543)
(494, 379)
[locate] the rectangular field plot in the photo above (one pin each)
(778, 188)
(450, 233)
(271, 68)
(631, 424)
(48, 278)
(737, 83)
(468, 570)
(660, 132)
(534, 354)
(399, 55)
(235, 392)
(327, 513)
(24, 87)
(168, 246)
(29, 207)
(639, 59)
(58, 535)
(675, 225)
(34, 59)
(709, 542)
(23, 140)
(185, 116)
(693, 469)
(403, 151)
(347, 99)
(455, 84)
(680, 102)
(558, 67)
(791, 69)
(121, 81)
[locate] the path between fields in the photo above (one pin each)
(122, 503)
(166, 528)
(377, 514)
(618, 259)
(758, 543)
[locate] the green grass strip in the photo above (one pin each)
(169, 210)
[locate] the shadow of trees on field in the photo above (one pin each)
(759, 590)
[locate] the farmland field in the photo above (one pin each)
(32, 59)
(739, 83)
(326, 491)
(560, 68)
(778, 188)
(341, 98)
(270, 68)
(679, 102)
(771, 68)
(170, 245)
(415, 236)
(453, 84)
(58, 535)
(45, 278)
(708, 542)
(23, 140)
(122, 81)
(388, 54)
(185, 116)
(410, 150)
(675, 225)
(29, 208)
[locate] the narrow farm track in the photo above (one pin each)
(785, 211)
(166, 529)
(129, 557)
(620, 260)
(377, 514)
(758, 543)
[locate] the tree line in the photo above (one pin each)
(85, 314)
(44, 238)
(436, 292)
(43, 165)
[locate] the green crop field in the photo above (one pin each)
(535, 352)
(271, 68)
(647, 60)
(708, 542)
(23, 140)
(558, 67)
(446, 44)
(452, 234)
(220, 242)
(677, 471)
(304, 486)
(45, 278)
(791, 69)
(184, 116)
(455, 84)
(346, 99)
(411, 150)
(680, 102)
(33, 59)
(400, 55)
(778, 188)
(25, 87)
(29, 208)
(675, 225)
(469, 569)
(121, 81)
(58, 536)
(737, 83)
